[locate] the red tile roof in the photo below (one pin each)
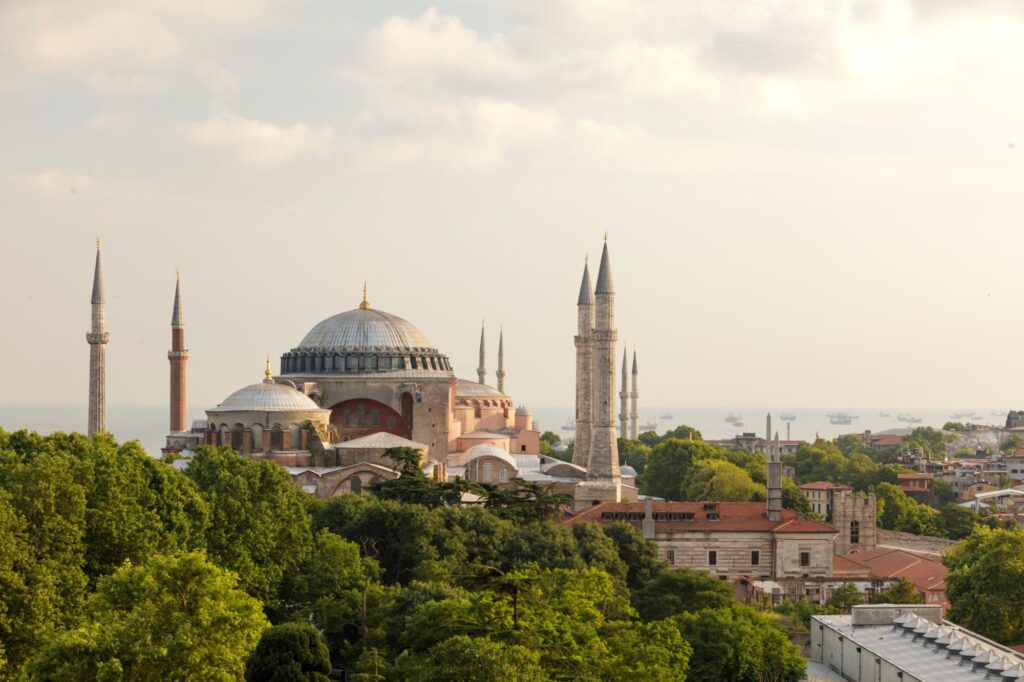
(823, 485)
(914, 476)
(732, 517)
(884, 562)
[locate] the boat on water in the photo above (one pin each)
(997, 413)
(841, 418)
(787, 417)
(884, 414)
(665, 416)
(910, 419)
(732, 418)
(649, 426)
(569, 425)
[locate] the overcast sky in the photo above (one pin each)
(808, 203)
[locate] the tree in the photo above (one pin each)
(900, 592)
(173, 618)
(548, 440)
(290, 652)
(896, 511)
(958, 522)
(598, 550)
(738, 644)
(721, 481)
(795, 499)
(943, 492)
(679, 590)
(985, 583)
(639, 554)
(1011, 443)
(668, 464)
(634, 453)
(472, 659)
(954, 426)
(645, 651)
(259, 528)
(932, 441)
(845, 597)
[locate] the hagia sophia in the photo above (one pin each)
(363, 381)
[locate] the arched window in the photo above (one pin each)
(237, 438)
(356, 485)
(854, 532)
(276, 438)
(488, 473)
(476, 409)
(503, 475)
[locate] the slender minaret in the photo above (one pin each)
(768, 430)
(481, 370)
(501, 360)
(584, 361)
(603, 482)
(774, 482)
(634, 409)
(624, 397)
(98, 339)
(178, 357)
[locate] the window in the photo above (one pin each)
(356, 485)
(671, 556)
(854, 532)
(712, 558)
(755, 558)
(522, 448)
(488, 472)
(712, 516)
(503, 476)
(805, 558)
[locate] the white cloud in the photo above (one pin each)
(659, 70)
(57, 183)
(259, 142)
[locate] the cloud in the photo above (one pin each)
(258, 142)
(129, 83)
(663, 70)
(56, 183)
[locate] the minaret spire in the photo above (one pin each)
(624, 397)
(178, 358)
(97, 339)
(501, 360)
(584, 369)
(634, 407)
(481, 369)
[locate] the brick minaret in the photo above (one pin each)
(481, 370)
(501, 361)
(634, 400)
(98, 339)
(624, 397)
(178, 357)
(585, 327)
(603, 482)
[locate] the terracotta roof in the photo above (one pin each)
(883, 562)
(913, 476)
(824, 485)
(731, 517)
(842, 566)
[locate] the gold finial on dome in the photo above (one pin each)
(365, 305)
(267, 378)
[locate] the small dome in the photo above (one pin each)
(488, 450)
(523, 411)
(266, 396)
(628, 471)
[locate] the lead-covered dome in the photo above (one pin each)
(365, 328)
(266, 396)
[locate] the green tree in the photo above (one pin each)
(954, 426)
(548, 440)
(679, 590)
(958, 522)
(845, 597)
(985, 583)
(639, 554)
(897, 511)
(721, 481)
(290, 652)
(259, 527)
(668, 464)
(173, 618)
(644, 651)
(932, 441)
(471, 659)
(900, 592)
(598, 550)
(634, 453)
(1011, 443)
(944, 493)
(795, 499)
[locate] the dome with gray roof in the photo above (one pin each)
(266, 396)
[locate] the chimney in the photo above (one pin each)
(774, 482)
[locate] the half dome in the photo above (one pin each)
(266, 397)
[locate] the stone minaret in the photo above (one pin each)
(178, 357)
(603, 482)
(774, 482)
(584, 361)
(481, 370)
(768, 429)
(501, 361)
(624, 397)
(634, 408)
(98, 339)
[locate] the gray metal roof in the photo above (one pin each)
(97, 278)
(586, 293)
(604, 275)
(177, 320)
(365, 328)
(474, 389)
(266, 397)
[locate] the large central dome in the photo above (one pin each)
(363, 341)
(365, 328)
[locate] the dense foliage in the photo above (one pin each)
(116, 566)
(985, 583)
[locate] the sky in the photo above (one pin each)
(807, 203)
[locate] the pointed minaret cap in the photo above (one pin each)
(586, 292)
(97, 278)
(365, 305)
(268, 377)
(177, 320)
(635, 368)
(625, 367)
(604, 274)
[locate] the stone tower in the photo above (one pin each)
(178, 357)
(634, 403)
(584, 362)
(774, 481)
(481, 370)
(855, 516)
(768, 429)
(603, 482)
(98, 339)
(624, 397)
(501, 361)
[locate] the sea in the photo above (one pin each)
(148, 423)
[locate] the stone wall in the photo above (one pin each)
(914, 543)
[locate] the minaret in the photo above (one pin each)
(603, 482)
(481, 370)
(501, 360)
(634, 409)
(624, 397)
(584, 360)
(178, 357)
(774, 481)
(98, 339)
(768, 430)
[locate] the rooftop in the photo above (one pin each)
(884, 562)
(824, 485)
(703, 516)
